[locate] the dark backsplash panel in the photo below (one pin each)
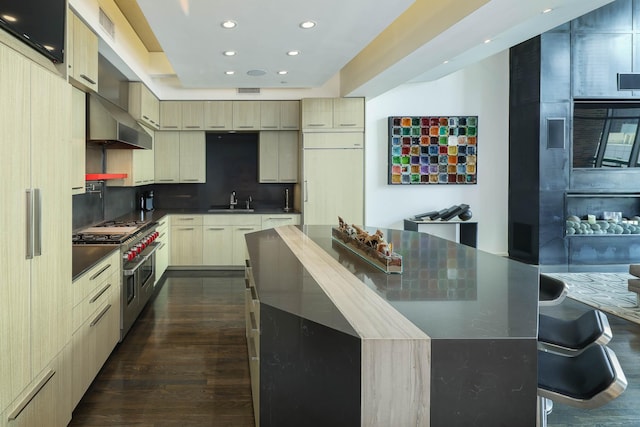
(232, 165)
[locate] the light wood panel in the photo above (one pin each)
(218, 115)
(78, 137)
(193, 159)
(15, 361)
(396, 354)
(167, 157)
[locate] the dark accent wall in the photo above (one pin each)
(579, 60)
(232, 165)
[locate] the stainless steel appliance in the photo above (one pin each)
(136, 241)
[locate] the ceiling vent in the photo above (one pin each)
(252, 90)
(107, 24)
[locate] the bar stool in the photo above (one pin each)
(588, 380)
(570, 337)
(552, 291)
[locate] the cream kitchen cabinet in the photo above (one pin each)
(170, 115)
(192, 115)
(279, 115)
(186, 240)
(333, 114)
(143, 105)
(138, 164)
(246, 115)
(218, 115)
(289, 115)
(317, 113)
(96, 321)
(162, 253)
(193, 157)
(277, 220)
(224, 243)
(83, 62)
(180, 157)
(348, 113)
(78, 138)
(333, 183)
(35, 256)
(278, 156)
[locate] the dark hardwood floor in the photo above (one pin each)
(184, 362)
(623, 411)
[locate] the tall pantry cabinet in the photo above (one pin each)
(35, 253)
(333, 160)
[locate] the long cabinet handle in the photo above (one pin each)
(29, 397)
(29, 230)
(102, 270)
(87, 78)
(306, 191)
(99, 294)
(37, 222)
(99, 316)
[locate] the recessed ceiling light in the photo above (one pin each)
(230, 73)
(307, 25)
(228, 24)
(445, 62)
(283, 72)
(9, 18)
(293, 53)
(229, 53)
(487, 41)
(547, 10)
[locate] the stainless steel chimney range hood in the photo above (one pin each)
(113, 127)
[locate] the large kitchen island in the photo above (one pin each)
(451, 341)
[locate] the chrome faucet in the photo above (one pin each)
(248, 202)
(233, 200)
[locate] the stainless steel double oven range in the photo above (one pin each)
(137, 248)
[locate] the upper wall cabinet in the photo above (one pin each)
(78, 137)
(279, 115)
(192, 115)
(170, 115)
(331, 114)
(218, 115)
(246, 115)
(83, 61)
(143, 105)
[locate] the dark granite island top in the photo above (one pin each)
(478, 312)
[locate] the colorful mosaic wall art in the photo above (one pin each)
(433, 150)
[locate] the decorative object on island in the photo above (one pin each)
(433, 149)
(371, 247)
(461, 211)
(590, 225)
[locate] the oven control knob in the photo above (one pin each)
(128, 256)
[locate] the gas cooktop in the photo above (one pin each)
(109, 232)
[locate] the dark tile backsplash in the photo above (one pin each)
(232, 165)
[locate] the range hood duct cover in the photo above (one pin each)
(113, 127)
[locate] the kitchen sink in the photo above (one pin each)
(228, 210)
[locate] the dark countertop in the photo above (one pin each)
(86, 256)
(448, 290)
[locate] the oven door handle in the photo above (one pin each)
(153, 247)
(131, 271)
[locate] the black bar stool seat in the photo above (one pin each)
(552, 290)
(572, 336)
(588, 380)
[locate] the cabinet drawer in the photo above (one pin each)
(46, 402)
(237, 219)
(186, 220)
(95, 300)
(97, 275)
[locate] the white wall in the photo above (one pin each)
(481, 89)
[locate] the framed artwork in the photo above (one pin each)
(433, 150)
